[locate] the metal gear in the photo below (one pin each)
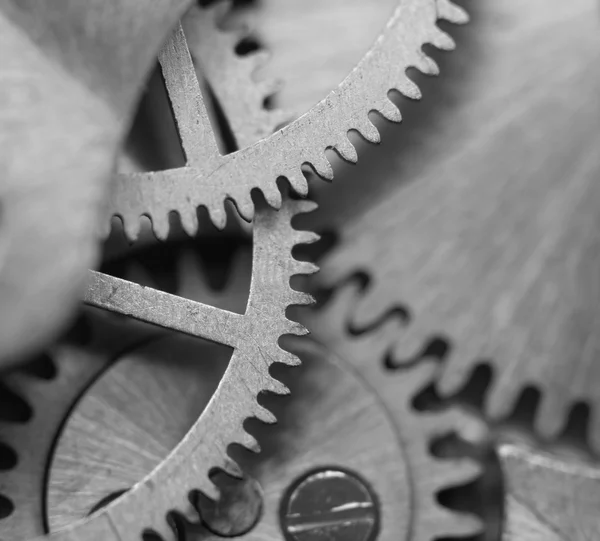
(209, 178)
(367, 353)
(493, 243)
(107, 340)
(231, 76)
(254, 336)
(548, 500)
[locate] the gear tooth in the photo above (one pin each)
(275, 386)
(296, 329)
(451, 12)
(160, 226)
(321, 165)
(218, 216)
(469, 427)
(408, 88)
(304, 206)
(245, 206)
(232, 468)
(273, 196)
(389, 110)
(551, 415)
(250, 443)
(501, 397)
(454, 473)
(299, 298)
(132, 228)
(427, 65)
(264, 415)
(443, 41)
(411, 342)
(304, 267)
(288, 358)
(210, 490)
(189, 221)
(298, 182)
(306, 237)
(368, 130)
(346, 150)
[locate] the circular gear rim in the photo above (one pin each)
(209, 179)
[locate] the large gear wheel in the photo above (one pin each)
(341, 417)
(209, 178)
(254, 336)
(493, 232)
(23, 484)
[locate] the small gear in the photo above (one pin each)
(417, 430)
(209, 178)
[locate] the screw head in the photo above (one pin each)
(329, 504)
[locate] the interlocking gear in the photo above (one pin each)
(417, 430)
(76, 365)
(209, 178)
(489, 246)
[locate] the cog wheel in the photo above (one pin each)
(209, 178)
(493, 243)
(400, 476)
(254, 337)
(231, 76)
(367, 354)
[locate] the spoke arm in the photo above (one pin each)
(195, 130)
(163, 309)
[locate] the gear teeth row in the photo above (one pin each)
(227, 72)
(283, 154)
(366, 350)
(551, 414)
(249, 369)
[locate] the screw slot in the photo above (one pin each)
(330, 503)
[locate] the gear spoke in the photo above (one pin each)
(195, 131)
(163, 309)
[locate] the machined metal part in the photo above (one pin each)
(210, 178)
(366, 353)
(485, 235)
(233, 77)
(345, 434)
(45, 488)
(69, 76)
(547, 499)
(254, 336)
